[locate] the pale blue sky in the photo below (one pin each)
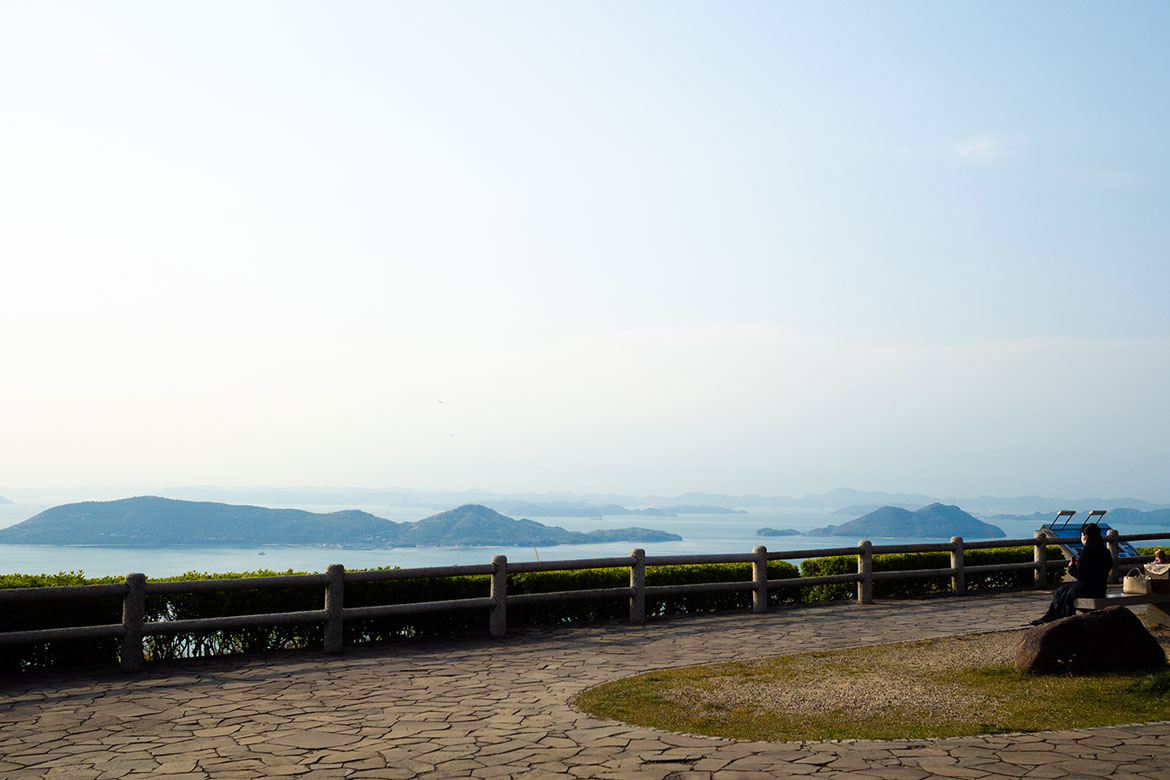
(641, 247)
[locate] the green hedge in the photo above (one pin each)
(460, 622)
(711, 602)
(258, 601)
(59, 614)
(920, 586)
(376, 630)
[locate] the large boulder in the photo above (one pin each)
(1108, 640)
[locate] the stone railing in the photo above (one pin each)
(133, 592)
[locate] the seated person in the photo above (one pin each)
(1091, 570)
(1157, 568)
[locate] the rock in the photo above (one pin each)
(1108, 640)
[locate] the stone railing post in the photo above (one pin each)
(133, 618)
(760, 578)
(1040, 558)
(499, 618)
(959, 578)
(334, 607)
(865, 569)
(1114, 552)
(638, 587)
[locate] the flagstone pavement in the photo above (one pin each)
(501, 708)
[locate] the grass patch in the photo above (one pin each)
(957, 686)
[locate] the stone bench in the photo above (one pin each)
(1158, 611)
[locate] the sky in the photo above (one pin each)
(637, 247)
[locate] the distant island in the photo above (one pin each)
(1116, 518)
(936, 521)
(861, 509)
(477, 525)
(571, 509)
(777, 532)
(583, 509)
(860, 502)
(689, 509)
(150, 521)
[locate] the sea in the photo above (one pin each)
(702, 534)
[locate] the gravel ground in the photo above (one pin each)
(878, 679)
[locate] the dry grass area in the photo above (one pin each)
(946, 687)
(867, 683)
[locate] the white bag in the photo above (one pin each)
(1136, 582)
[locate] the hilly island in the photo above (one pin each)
(150, 521)
(936, 521)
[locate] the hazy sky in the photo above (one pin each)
(645, 247)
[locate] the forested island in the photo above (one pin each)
(777, 532)
(936, 521)
(150, 521)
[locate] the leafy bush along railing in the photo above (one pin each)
(183, 617)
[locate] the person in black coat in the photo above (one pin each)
(1091, 570)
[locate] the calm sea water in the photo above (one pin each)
(702, 534)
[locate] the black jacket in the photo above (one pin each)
(1092, 570)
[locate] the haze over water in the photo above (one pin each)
(702, 534)
(580, 247)
(647, 248)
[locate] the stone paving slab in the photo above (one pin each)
(485, 708)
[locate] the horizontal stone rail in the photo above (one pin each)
(913, 574)
(62, 634)
(69, 593)
(575, 564)
(134, 590)
(415, 608)
(827, 552)
(234, 621)
(687, 560)
(238, 583)
(809, 582)
(555, 596)
(698, 587)
(382, 575)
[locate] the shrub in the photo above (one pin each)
(1156, 685)
(59, 614)
(925, 585)
(690, 603)
(186, 606)
(257, 601)
(411, 591)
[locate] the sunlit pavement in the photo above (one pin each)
(500, 708)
